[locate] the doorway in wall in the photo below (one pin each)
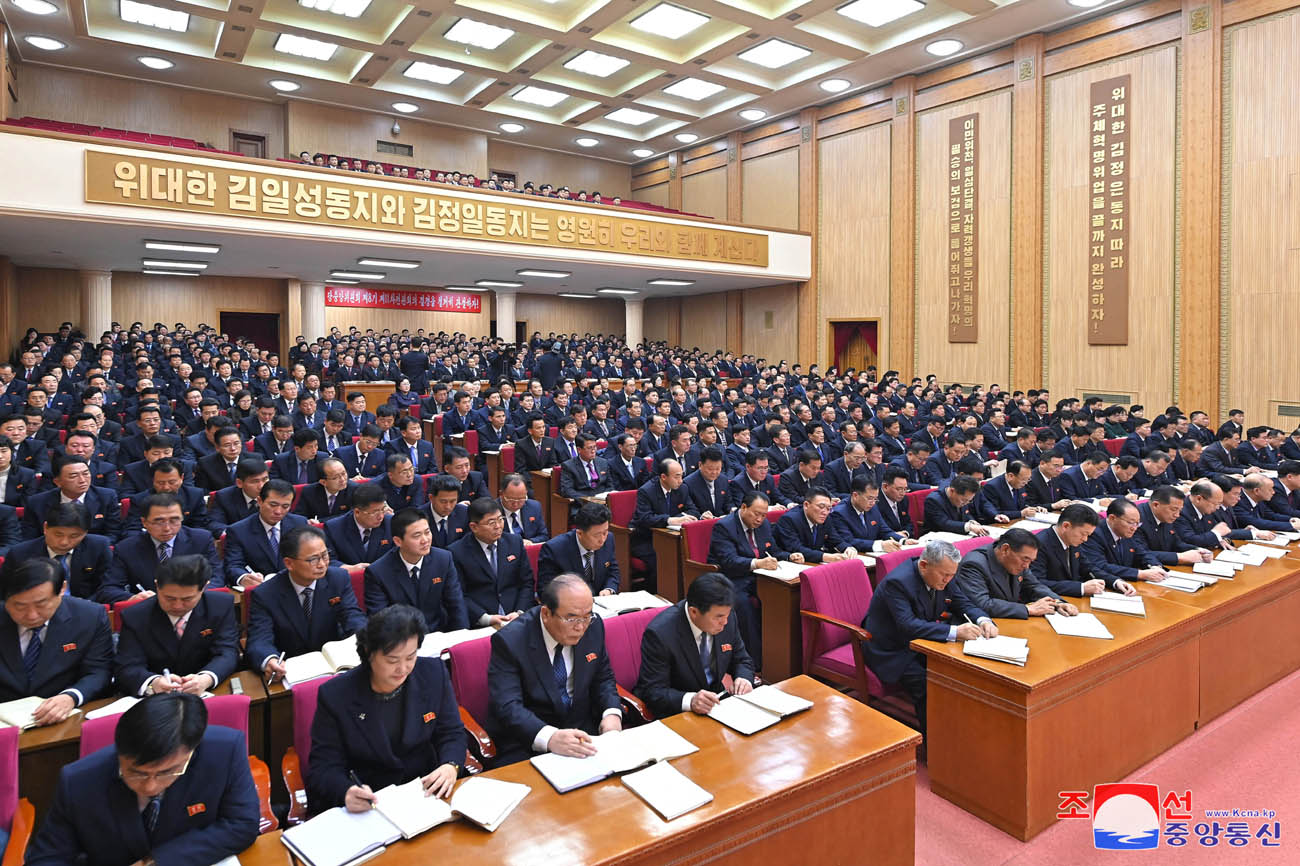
(854, 343)
(262, 328)
(248, 144)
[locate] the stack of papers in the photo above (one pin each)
(759, 709)
(338, 836)
(1241, 556)
(1048, 517)
(1182, 583)
(787, 571)
(485, 802)
(616, 752)
(436, 643)
(1001, 648)
(1215, 569)
(624, 602)
(1115, 602)
(666, 790)
(952, 537)
(1264, 550)
(1082, 625)
(18, 714)
(1280, 539)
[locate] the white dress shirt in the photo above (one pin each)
(541, 743)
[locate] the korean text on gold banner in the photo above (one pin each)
(235, 191)
(963, 229)
(1109, 211)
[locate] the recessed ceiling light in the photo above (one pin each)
(553, 275)
(478, 34)
(156, 62)
(301, 46)
(587, 142)
(943, 47)
(462, 288)
(283, 85)
(176, 265)
(630, 116)
(346, 8)
(36, 7)
(753, 113)
(1086, 4)
(539, 96)
(693, 89)
(432, 72)
(44, 43)
(357, 275)
(774, 53)
(643, 152)
(388, 263)
(405, 107)
(181, 247)
(498, 284)
(835, 85)
(686, 137)
(669, 21)
(162, 273)
(671, 282)
(153, 16)
(617, 292)
(341, 282)
(511, 127)
(575, 295)
(595, 63)
(878, 13)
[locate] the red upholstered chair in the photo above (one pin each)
(469, 667)
(470, 442)
(17, 816)
(833, 599)
(887, 562)
(695, 550)
(120, 606)
(297, 494)
(623, 643)
(249, 447)
(293, 766)
(916, 509)
(622, 505)
(507, 459)
(533, 549)
(1114, 446)
(358, 576)
(126, 508)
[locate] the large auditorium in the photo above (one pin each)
(648, 432)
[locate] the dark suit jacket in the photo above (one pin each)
(367, 466)
(286, 467)
(76, 653)
(1039, 491)
(473, 487)
(247, 545)
(1215, 460)
(904, 609)
(438, 594)
(313, 504)
(511, 588)
(1260, 516)
(531, 520)
(653, 509)
(1060, 570)
(226, 507)
(793, 534)
(135, 559)
(148, 642)
(837, 478)
(409, 496)
(740, 485)
(344, 540)
(1075, 485)
(729, 549)
(530, 458)
(670, 660)
(942, 516)
(351, 425)
(848, 530)
(20, 484)
(792, 487)
(211, 473)
(102, 505)
(424, 454)
(778, 462)
(268, 448)
(106, 829)
(1112, 558)
(87, 568)
(1165, 540)
(703, 496)
(574, 481)
(11, 531)
(563, 554)
(348, 733)
(996, 497)
(490, 440)
(194, 509)
(276, 622)
(523, 695)
(900, 522)
(989, 587)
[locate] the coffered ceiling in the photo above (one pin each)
(637, 77)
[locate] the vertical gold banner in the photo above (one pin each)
(1108, 213)
(963, 229)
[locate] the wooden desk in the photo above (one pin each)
(555, 507)
(492, 465)
(821, 787)
(1004, 740)
(782, 630)
(669, 549)
(279, 735)
(377, 393)
(268, 850)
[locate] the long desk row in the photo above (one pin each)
(1005, 740)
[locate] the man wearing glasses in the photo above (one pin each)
(494, 569)
(523, 516)
(138, 557)
(550, 684)
(170, 790)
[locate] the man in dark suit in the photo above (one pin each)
(357, 414)
(72, 483)
(494, 570)
(740, 543)
(837, 476)
(948, 509)
(1110, 553)
(1002, 499)
(363, 458)
(1220, 458)
(550, 683)
(191, 634)
(856, 521)
(707, 489)
(364, 533)
(587, 551)
(1254, 508)
(915, 462)
(171, 790)
(401, 486)
(19, 482)
(585, 475)
(330, 496)
(689, 648)
(448, 516)
(917, 600)
(892, 504)
(300, 608)
(524, 516)
(755, 476)
(260, 420)
(998, 581)
(1083, 480)
(803, 529)
(1173, 537)
(302, 464)
(494, 432)
(415, 572)
(459, 419)
(11, 531)
(252, 546)
(27, 454)
(84, 558)
(137, 558)
(456, 463)
(797, 479)
(217, 470)
(413, 444)
(1044, 487)
(660, 502)
(535, 451)
(54, 646)
(279, 441)
(233, 504)
(1059, 565)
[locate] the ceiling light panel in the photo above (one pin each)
(630, 116)
(693, 89)
(45, 43)
(301, 46)
(539, 96)
(595, 63)
(432, 72)
(552, 275)
(476, 33)
(36, 7)
(182, 247)
(878, 13)
(774, 53)
(153, 16)
(346, 8)
(669, 21)
(388, 263)
(156, 62)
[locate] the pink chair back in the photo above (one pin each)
(8, 776)
(469, 668)
(696, 536)
(507, 459)
(623, 643)
(838, 589)
(358, 577)
(1114, 446)
(533, 549)
(916, 509)
(622, 505)
(471, 441)
(229, 711)
(887, 562)
(304, 711)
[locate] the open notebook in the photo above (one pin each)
(625, 602)
(759, 709)
(1001, 648)
(338, 836)
(334, 656)
(1080, 625)
(616, 752)
(1116, 602)
(18, 714)
(666, 790)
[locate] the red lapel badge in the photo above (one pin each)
(196, 809)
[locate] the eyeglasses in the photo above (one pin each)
(137, 776)
(578, 620)
(313, 560)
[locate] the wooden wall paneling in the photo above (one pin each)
(293, 317)
(673, 314)
(773, 127)
(1120, 20)
(1144, 367)
(902, 276)
(316, 127)
(705, 193)
(985, 361)
(1240, 11)
(853, 235)
(965, 88)
(547, 313)
(699, 151)
(650, 179)
(865, 99)
(708, 162)
(8, 290)
(1137, 38)
(735, 204)
(855, 119)
(963, 68)
(704, 321)
(735, 321)
(1026, 361)
(148, 298)
(562, 169)
(657, 312)
(656, 194)
(808, 329)
(46, 297)
(768, 312)
(771, 144)
(675, 180)
(1196, 360)
(770, 193)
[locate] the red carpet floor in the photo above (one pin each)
(1249, 758)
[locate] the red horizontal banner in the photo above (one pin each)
(386, 299)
